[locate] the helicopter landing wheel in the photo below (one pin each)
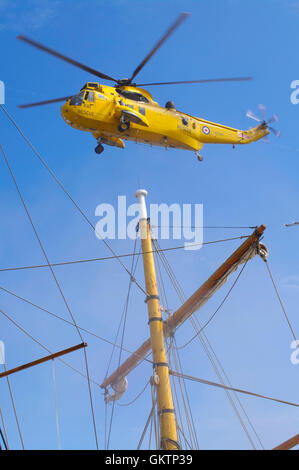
(123, 126)
(199, 157)
(99, 149)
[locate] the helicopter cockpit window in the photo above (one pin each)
(185, 121)
(76, 100)
(89, 96)
(132, 95)
(93, 85)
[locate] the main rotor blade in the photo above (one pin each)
(252, 116)
(238, 79)
(41, 103)
(65, 58)
(262, 109)
(175, 25)
(274, 118)
(275, 132)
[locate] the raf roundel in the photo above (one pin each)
(205, 130)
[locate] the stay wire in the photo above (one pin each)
(105, 258)
(205, 226)
(187, 401)
(13, 403)
(70, 323)
(206, 345)
(178, 365)
(123, 313)
(155, 414)
(3, 440)
(56, 405)
(146, 426)
(165, 304)
(151, 431)
(218, 308)
(190, 423)
(137, 396)
(57, 284)
(4, 428)
(43, 346)
(238, 390)
(15, 410)
(235, 395)
(281, 303)
(186, 440)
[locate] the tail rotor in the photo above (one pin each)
(263, 121)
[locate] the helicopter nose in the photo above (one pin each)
(65, 113)
(63, 108)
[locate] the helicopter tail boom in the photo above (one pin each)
(220, 134)
(254, 134)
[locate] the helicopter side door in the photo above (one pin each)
(89, 102)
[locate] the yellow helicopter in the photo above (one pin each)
(126, 111)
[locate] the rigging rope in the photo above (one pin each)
(204, 226)
(71, 324)
(280, 301)
(218, 308)
(3, 440)
(137, 396)
(239, 390)
(124, 309)
(155, 414)
(14, 407)
(12, 401)
(105, 258)
(186, 403)
(4, 429)
(146, 426)
(44, 347)
(56, 405)
(164, 310)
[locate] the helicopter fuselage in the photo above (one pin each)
(115, 114)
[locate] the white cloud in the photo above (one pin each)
(36, 14)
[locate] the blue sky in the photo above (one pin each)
(247, 186)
